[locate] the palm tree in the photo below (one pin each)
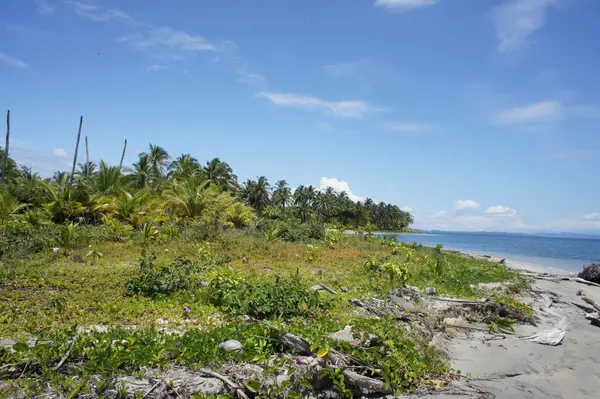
(159, 159)
(109, 179)
(9, 208)
(324, 206)
(141, 174)
(240, 215)
(220, 174)
(184, 165)
(258, 193)
(187, 198)
(282, 194)
(85, 172)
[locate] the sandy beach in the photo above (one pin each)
(507, 366)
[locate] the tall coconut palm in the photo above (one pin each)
(220, 174)
(159, 160)
(282, 194)
(258, 193)
(185, 165)
(140, 176)
(85, 172)
(324, 206)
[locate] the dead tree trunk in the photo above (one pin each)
(87, 151)
(76, 151)
(123, 155)
(7, 144)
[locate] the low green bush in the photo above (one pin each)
(152, 279)
(278, 297)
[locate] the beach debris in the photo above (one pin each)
(582, 281)
(591, 302)
(245, 260)
(551, 337)
(231, 346)
(343, 289)
(346, 335)
(591, 273)
(594, 317)
(320, 287)
(430, 291)
(366, 385)
(55, 249)
(502, 261)
(296, 343)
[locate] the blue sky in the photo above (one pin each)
(476, 115)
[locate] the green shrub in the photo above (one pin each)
(25, 240)
(294, 231)
(152, 279)
(279, 297)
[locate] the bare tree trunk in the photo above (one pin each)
(7, 144)
(87, 151)
(76, 151)
(123, 155)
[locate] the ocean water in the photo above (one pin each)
(552, 253)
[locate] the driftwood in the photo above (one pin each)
(365, 384)
(319, 287)
(67, 354)
(299, 344)
(582, 281)
(459, 301)
(226, 380)
(153, 386)
(591, 302)
(459, 323)
(547, 337)
(594, 318)
(586, 309)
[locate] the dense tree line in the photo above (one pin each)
(157, 188)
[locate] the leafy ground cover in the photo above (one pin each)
(167, 299)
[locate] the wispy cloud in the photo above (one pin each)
(545, 111)
(516, 20)
(168, 42)
(349, 69)
(345, 109)
(500, 210)
(155, 68)
(99, 14)
(465, 204)
(404, 5)
(59, 152)
(536, 112)
(245, 76)
(10, 61)
(591, 216)
(44, 7)
(409, 127)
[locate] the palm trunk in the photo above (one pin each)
(87, 151)
(76, 151)
(123, 155)
(7, 144)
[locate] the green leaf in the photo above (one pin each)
(253, 385)
(20, 346)
(322, 352)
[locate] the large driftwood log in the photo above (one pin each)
(594, 318)
(582, 281)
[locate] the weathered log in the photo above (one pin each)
(299, 344)
(366, 385)
(594, 318)
(319, 287)
(591, 302)
(227, 381)
(582, 281)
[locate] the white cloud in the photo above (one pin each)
(99, 14)
(244, 76)
(536, 112)
(43, 7)
(155, 68)
(165, 41)
(12, 61)
(339, 186)
(578, 154)
(59, 152)
(345, 109)
(516, 20)
(407, 127)
(500, 210)
(546, 111)
(591, 216)
(404, 4)
(465, 204)
(44, 163)
(406, 208)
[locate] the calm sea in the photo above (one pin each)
(557, 254)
